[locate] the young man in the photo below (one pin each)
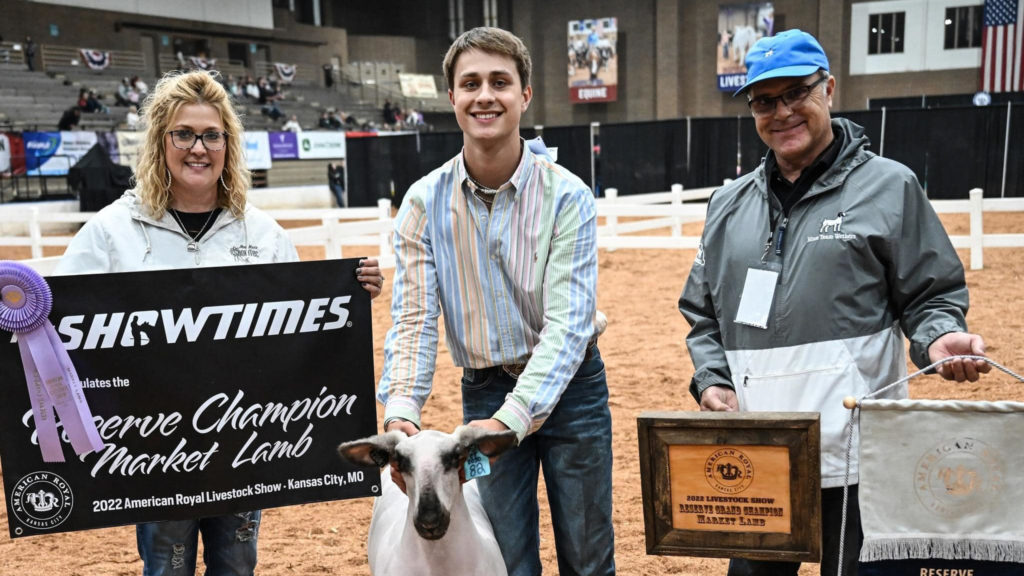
(855, 258)
(504, 243)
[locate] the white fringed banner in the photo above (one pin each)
(942, 479)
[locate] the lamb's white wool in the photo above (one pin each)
(440, 528)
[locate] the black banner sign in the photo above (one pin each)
(215, 390)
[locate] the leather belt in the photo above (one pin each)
(516, 370)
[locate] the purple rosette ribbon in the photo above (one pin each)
(52, 381)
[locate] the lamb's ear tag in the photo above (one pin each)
(477, 464)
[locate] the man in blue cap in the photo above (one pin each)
(811, 270)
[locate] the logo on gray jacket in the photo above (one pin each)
(833, 225)
(832, 229)
(699, 259)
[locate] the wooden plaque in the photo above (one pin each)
(732, 484)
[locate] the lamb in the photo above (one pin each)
(440, 527)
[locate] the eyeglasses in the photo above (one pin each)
(186, 139)
(792, 98)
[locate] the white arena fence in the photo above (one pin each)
(653, 211)
(668, 210)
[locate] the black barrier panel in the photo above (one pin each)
(1015, 157)
(752, 148)
(964, 150)
(642, 157)
(906, 140)
(573, 143)
(436, 149)
(361, 164)
(712, 151)
(378, 166)
(871, 122)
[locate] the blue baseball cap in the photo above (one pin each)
(788, 54)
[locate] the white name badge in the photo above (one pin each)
(756, 301)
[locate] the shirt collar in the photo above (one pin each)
(516, 182)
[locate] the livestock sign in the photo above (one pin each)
(214, 390)
(739, 26)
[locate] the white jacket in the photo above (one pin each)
(123, 238)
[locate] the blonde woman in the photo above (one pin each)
(188, 209)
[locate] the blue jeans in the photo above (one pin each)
(339, 195)
(229, 545)
(574, 448)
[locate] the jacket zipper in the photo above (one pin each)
(747, 377)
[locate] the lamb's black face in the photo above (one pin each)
(429, 463)
(432, 519)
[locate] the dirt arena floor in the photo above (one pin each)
(648, 369)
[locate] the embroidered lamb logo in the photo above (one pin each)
(832, 225)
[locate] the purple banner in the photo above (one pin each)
(284, 146)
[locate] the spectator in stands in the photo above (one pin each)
(88, 102)
(30, 53)
(5, 54)
(131, 119)
(251, 89)
(325, 121)
(292, 125)
(413, 118)
(335, 119)
(390, 115)
(268, 99)
(336, 182)
(139, 87)
(123, 95)
(69, 120)
(232, 86)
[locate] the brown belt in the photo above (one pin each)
(515, 370)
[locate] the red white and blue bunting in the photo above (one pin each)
(286, 72)
(95, 59)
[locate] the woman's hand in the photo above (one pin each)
(370, 276)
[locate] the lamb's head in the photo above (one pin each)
(429, 463)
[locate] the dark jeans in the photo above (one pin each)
(574, 449)
(339, 195)
(229, 545)
(831, 520)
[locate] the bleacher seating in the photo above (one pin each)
(35, 101)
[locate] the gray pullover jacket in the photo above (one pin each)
(864, 260)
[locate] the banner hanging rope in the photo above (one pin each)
(52, 381)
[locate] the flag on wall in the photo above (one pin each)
(95, 59)
(1001, 46)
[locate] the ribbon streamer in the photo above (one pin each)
(52, 381)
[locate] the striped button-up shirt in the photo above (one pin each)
(517, 285)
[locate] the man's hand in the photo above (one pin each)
(719, 399)
(958, 344)
(490, 424)
(410, 429)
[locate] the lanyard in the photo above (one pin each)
(776, 234)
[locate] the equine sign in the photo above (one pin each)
(215, 391)
(593, 63)
(739, 26)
